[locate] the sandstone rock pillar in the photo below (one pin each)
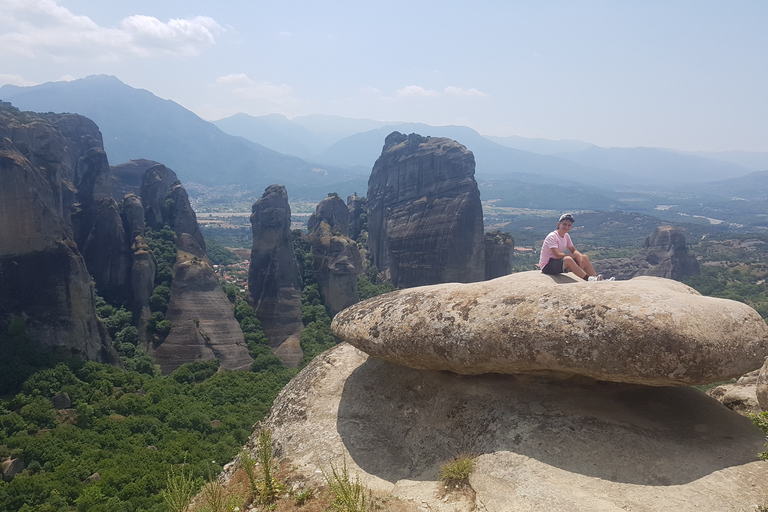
(425, 219)
(273, 280)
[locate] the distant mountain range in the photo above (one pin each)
(317, 154)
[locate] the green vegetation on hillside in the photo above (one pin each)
(218, 253)
(130, 428)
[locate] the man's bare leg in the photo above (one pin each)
(570, 264)
(586, 265)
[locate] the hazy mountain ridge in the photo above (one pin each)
(340, 153)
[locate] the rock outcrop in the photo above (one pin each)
(127, 177)
(336, 259)
(202, 318)
(93, 185)
(43, 277)
(155, 185)
(645, 331)
(539, 444)
(107, 254)
(664, 254)
(425, 220)
(273, 279)
(741, 396)
(499, 249)
(358, 215)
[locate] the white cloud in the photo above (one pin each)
(286, 34)
(15, 80)
(416, 91)
(32, 28)
(241, 85)
(458, 91)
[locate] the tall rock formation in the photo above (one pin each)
(155, 185)
(127, 177)
(202, 318)
(499, 249)
(664, 254)
(358, 215)
(43, 277)
(273, 280)
(93, 184)
(107, 253)
(336, 259)
(425, 219)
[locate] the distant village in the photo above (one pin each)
(236, 274)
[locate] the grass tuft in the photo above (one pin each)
(457, 471)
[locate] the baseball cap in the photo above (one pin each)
(566, 216)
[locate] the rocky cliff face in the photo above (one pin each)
(43, 277)
(499, 249)
(127, 177)
(358, 215)
(107, 253)
(273, 281)
(155, 185)
(336, 259)
(425, 219)
(204, 326)
(664, 254)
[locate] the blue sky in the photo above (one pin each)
(690, 75)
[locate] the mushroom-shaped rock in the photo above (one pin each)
(648, 330)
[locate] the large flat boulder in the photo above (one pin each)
(648, 330)
(540, 444)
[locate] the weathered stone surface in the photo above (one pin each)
(664, 254)
(357, 215)
(53, 144)
(93, 185)
(273, 280)
(336, 259)
(133, 217)
(181, 215)
(155, 185)
(202, 319)
(43, 277)
(127, 177)
(11, 467)
(499, 249)
(143, 270)
(540, 444)
(425, 220)
(761, 386)
(107, 253)
(334, 212)
(738, 398)
(647, 331)
(61, 401)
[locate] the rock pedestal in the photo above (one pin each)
(538, 444)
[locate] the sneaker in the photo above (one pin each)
(599, 277)
(593, 278)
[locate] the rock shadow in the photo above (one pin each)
(400, 423)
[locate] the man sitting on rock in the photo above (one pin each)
(554, 260)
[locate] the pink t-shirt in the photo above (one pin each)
(553, 240)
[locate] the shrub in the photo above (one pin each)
(179, 490)
(348, 495)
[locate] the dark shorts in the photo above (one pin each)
(554, 266)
